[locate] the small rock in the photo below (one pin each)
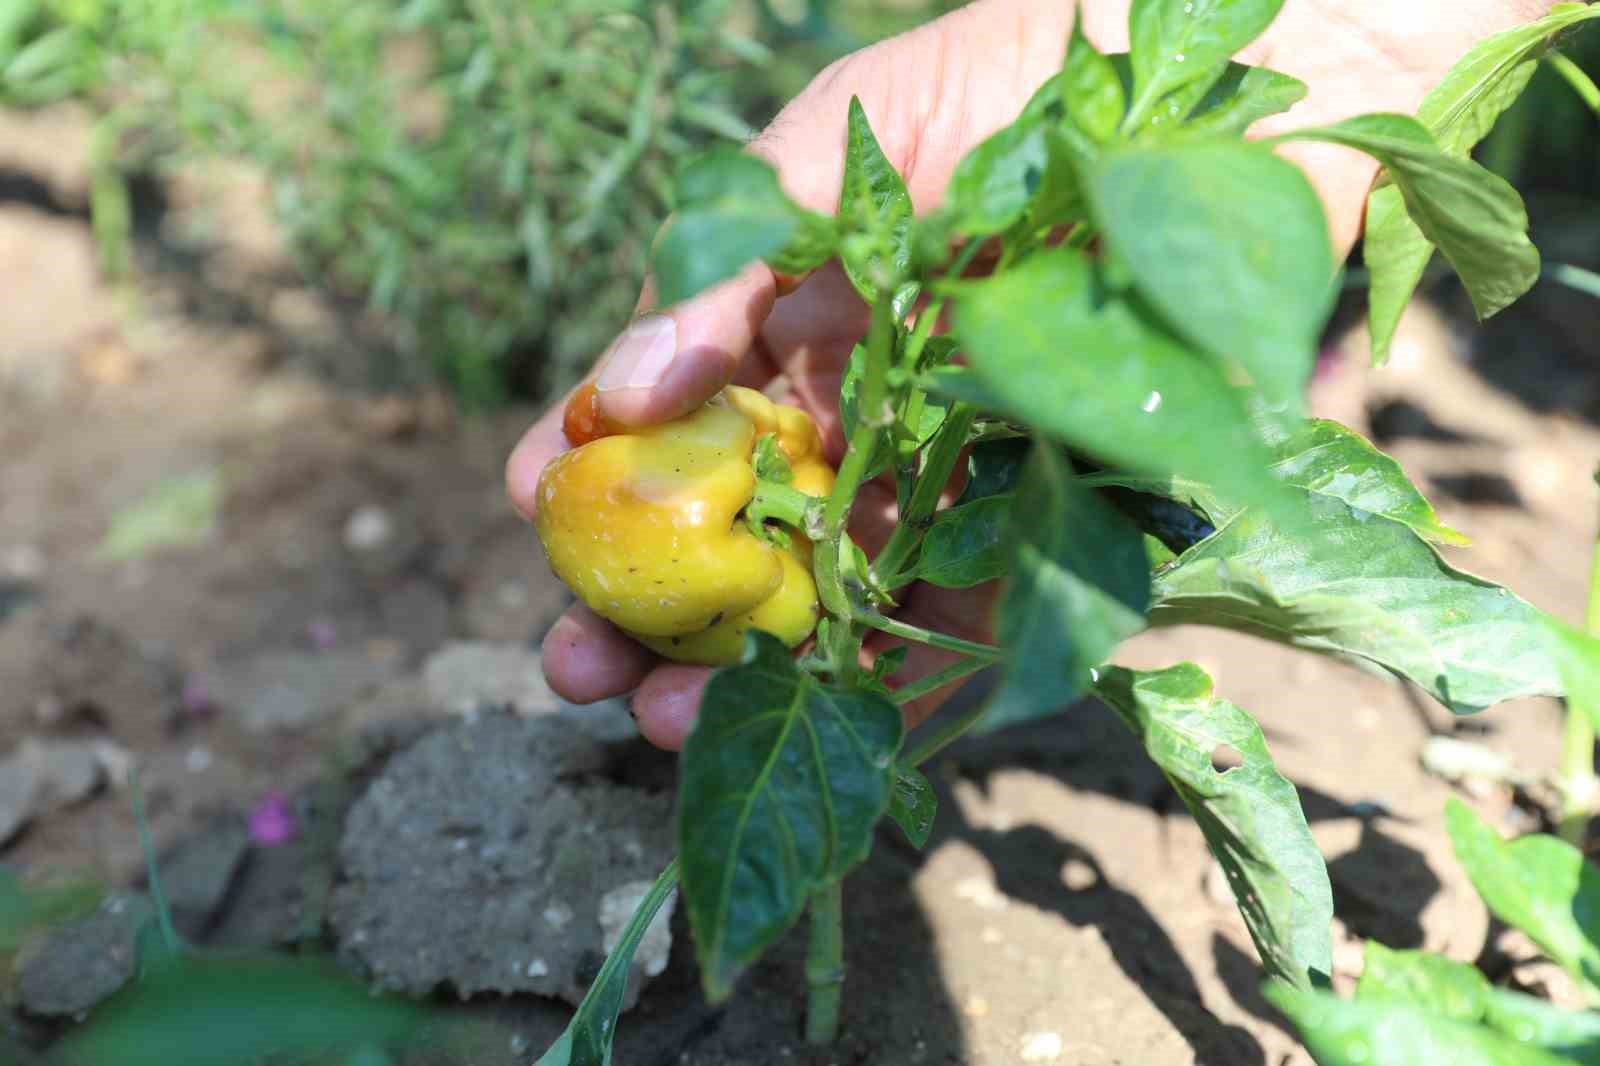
(368, 529)
(82, 962)
(19, 784)
(467, 676)
(1042, 1047)
(196, 875)
(22, 562)
(617, 906)
(474, 830)
(1460, 760)
(290, 690)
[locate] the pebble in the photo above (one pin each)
(368, 528)
(617, 907)
(1041, 1047)
(82, 962)
(22, 562)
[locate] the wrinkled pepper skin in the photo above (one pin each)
(644, 525)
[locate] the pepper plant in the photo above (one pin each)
(1124, 389)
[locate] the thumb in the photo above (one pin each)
(668, 362)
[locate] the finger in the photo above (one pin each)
(542, 443)
(668, 362)
(667, 702)
(586, 658)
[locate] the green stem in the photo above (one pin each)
(778, 502)
(1578, 782)
(896, 628)
(937, 680)
(1574, 277)
(825, 965)
(1581, 83)
(944, 737)
(939, 462)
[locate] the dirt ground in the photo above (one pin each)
(1065, 909)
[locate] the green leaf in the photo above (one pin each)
(1353, 1033)
(1442, 986)
(1539, 884)
(1473, 216)
(1079, 586)
(1577, 656)
(179, 512)
(965, 545)
(1358, 586)
(1091, 90)
(226, 1011)
(883, 453)
(588, 1037)
(769, 461)
(1572, 1034)
(1239, 98)
(731, 211)
(1250, 814)
(781, 783)
(874, 209)
(26, 908)
(913, 804)
(994, 467)
(1178, 42)
(1459, 112)
(1248, 279)
(1328, 459)
(1017, 168)
(1050, 345)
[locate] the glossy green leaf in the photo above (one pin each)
(1175, 43)
(932, 416)
(1355, 585)
(1091, 89)
(1049, 344)
(874, 210)
(1250, 814)
(730, 212)
(1539, 884)
(1342, 1032)
(1331, 460)
(1079, 586)
(1571, 1034)
(1455, 990)
(780, 785)
(226, 1011)
(588, 1037)
(1396, 254)
(1473, 216)
(913, 804)
(1239, 98)
(965, 545)
(1247, 278)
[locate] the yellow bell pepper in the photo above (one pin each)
(644, 525)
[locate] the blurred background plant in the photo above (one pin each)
(485, 174)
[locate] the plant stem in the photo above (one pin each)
(896, 628)
(944, 737)
(939, 461)
(1581, 83)
(1578, 782)
(937, 680)
(1573, 277)
(781, 503)
(825, 965)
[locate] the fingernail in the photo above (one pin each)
(640, 357)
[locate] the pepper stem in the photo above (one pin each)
(777, 502)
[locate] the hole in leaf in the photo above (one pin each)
(1225, 757)
(1079, 875)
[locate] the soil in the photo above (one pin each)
(1065, 909)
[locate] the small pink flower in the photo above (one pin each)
(322, 634)
(272, 822)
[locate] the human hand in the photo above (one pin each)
(932, 95)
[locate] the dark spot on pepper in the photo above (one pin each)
(714, 619)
